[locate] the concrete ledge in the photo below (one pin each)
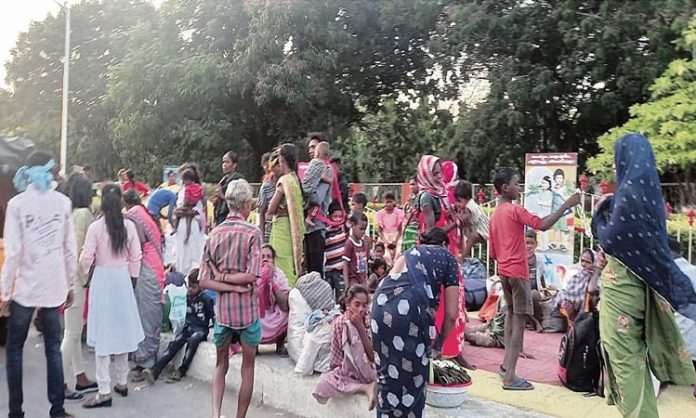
(277, 385)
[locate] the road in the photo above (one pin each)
(186, 399)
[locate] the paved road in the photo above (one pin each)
(187, 399)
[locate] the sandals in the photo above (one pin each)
(98, 401)
(519, 384)
(175, 377)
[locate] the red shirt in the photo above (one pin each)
(142, 189)
(507, 239)
(234, 246)
(355, 255)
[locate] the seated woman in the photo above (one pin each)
(572, 296)
(273, 301)
(352, 359)
(311, 305)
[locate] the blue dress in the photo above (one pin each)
(403, 328)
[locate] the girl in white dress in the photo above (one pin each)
(113, 323)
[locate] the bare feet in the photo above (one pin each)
(371, 392)
(464, 363)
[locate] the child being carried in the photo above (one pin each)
(193, 193)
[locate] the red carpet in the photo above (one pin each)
(544, 347)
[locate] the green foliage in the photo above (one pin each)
(387, 146)
(668, 119)
(99, 38)
(561, 73)
(249, 75)
(196, 78)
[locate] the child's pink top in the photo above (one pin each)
(193, 193)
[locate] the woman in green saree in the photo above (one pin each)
(640, 286)
(287, 209)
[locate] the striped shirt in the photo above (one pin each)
(232, 247)
(334, 248)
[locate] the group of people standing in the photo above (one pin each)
(310, 238)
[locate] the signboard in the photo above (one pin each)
(549, 180)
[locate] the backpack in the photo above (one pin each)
(580, 360)
(475, 292)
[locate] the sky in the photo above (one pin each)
(15, 17)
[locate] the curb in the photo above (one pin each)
(276, 385)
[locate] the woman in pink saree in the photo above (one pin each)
(148, 290)
(273, 301)
(352, 359)
(436, 205)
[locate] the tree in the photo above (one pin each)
(248, 75)
(561, 72)
(387, 146)
(99, 36)
(668, 120)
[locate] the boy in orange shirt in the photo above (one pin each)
(507, 246)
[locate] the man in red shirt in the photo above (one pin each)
(230, 266)
(507, 246)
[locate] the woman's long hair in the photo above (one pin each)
(436, 236)
(289, 154)
(113, 217)
(79, 190)
(131, 176)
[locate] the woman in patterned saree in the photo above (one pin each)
(404, 337)
(287, 209)
(640, 285)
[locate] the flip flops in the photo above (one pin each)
(519, 384)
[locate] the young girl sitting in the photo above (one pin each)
(193, 193)
(352, 360)
(378, 270)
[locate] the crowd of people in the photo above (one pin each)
(367, 309)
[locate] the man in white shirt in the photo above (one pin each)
(39, 272)
(687, 327)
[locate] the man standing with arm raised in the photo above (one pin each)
(507, 246)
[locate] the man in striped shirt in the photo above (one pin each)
(230, 266)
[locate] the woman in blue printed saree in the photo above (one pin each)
(640, 285)
(404, 337)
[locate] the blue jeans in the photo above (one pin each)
(19, 323)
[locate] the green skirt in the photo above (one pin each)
(281, 241)
(410, 238)
(639, 334)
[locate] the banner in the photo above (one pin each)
(549, 180)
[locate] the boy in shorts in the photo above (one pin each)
(507, 246)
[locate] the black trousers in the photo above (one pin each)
(190, 337)
(314, 252)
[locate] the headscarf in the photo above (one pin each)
(41, 176)
(450, 172)
(631, 225)
(428, 183)
(316, 291)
